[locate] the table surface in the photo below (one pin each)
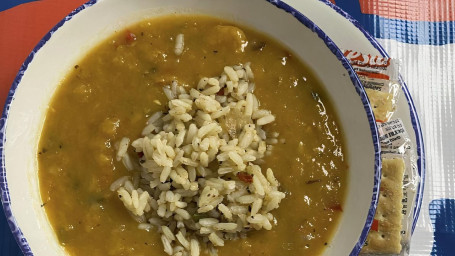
(420, 33)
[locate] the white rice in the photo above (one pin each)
(122, 148)
(194, 247)
(174, 185)
(182, 240)
(144, 226)
(216, 240)
(265, 120)
(179, 44)
(167, 245)
(225, 226)
(118, 183)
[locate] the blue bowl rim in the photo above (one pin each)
(19, 236)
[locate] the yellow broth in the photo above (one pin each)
(110, 93)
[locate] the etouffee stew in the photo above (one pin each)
(113, 90)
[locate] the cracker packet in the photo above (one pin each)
(379, 76)
(390, 233)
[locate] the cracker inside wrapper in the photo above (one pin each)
(381, 102)
(384, 236)
(379, 77)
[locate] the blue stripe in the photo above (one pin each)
(7, 4)
(411, 32)
(352, 7)
(7, 244)
(441, 215)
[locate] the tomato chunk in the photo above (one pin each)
(130, 37)
(245, 177)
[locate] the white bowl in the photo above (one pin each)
(64, 45)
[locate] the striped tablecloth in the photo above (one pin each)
(420, 33)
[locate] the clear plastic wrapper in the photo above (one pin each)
(398, 161)
(390, 233)
(379, 76)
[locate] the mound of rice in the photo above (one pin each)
(198, 180)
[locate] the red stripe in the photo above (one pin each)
(413, 10)
(21, 29)
(373, 75)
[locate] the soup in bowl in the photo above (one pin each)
(160, 129)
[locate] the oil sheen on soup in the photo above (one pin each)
(112, 91)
